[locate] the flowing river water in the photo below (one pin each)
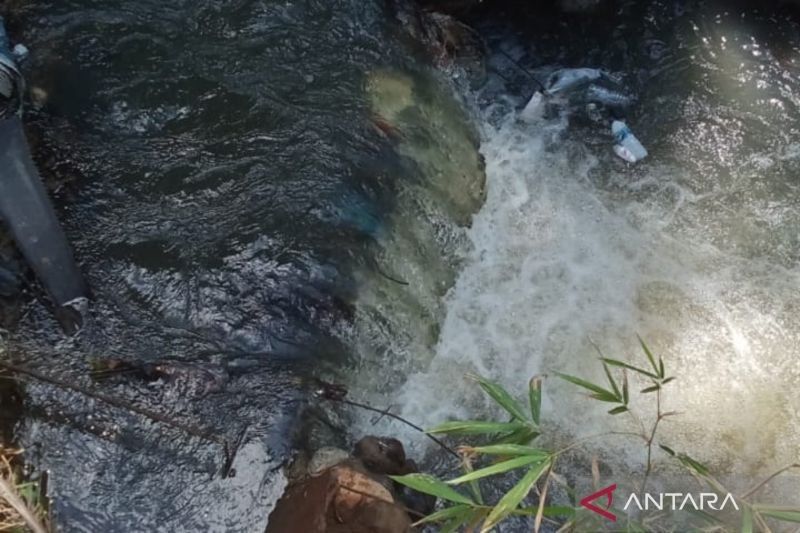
(264, 189)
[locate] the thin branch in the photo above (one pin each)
(116, 402)
(398, 418)
(652, 438)
(770, 478)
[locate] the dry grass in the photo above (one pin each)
(21, 506)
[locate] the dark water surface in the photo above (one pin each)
(228, 181)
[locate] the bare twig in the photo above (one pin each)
(768, 479)
(116, 402)
(410, 424)
(652, 437)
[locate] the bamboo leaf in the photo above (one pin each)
(625, 396)
(477, 427)
(454, 524)
(512, 498)
(497, 468)
(618, 410)
(747, 520)
(549, 511)
(521, 436)
(623, 364)
(535, 398)
(428, 484)
(784, 514)
(502, 397)
(510, 449)
(611, 381)
(661, 372)
(445, 514)
(651, 389)
(667, 449)
(649, 355)
(668, 380)
(606, 397)
(584, 384)
(692, 464)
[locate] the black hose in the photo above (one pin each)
(27, 211)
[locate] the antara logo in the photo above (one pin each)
(671, 501)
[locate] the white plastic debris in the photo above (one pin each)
(20, 52)
(627, 145)
(608, 97)
(569, 78)
(533, 108)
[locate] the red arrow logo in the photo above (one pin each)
(608, 492)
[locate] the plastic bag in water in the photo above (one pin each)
(569, 78)
(533, 108)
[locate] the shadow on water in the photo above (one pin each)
(229, 183)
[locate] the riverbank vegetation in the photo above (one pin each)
(23, 507)
(509, 447)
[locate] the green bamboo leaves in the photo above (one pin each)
(507, 449)
(428, 484)
(618, 392)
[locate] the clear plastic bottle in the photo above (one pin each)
(627, 146)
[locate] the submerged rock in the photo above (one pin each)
(433, 131)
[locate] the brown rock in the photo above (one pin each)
(344, 499)
(381, 455)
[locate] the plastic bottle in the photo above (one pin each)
(627, 146)
(569, 78)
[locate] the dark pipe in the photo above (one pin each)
(24, 203)
(26, 209)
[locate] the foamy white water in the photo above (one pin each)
(569, 249)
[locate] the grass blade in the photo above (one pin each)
(650, 357)
(781, 513)
(477, 427)
(428, 484)
(747, 520)
(623, 364)
(521, 436)
(512, 498)
(497, 468)
(585, 384)
(502, 397)
(447, 513)
(510, 449)
(611, 381)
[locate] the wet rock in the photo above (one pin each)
(325, 458)
(448, 41)
(381, 455)
(344, 499)
(435, 135)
